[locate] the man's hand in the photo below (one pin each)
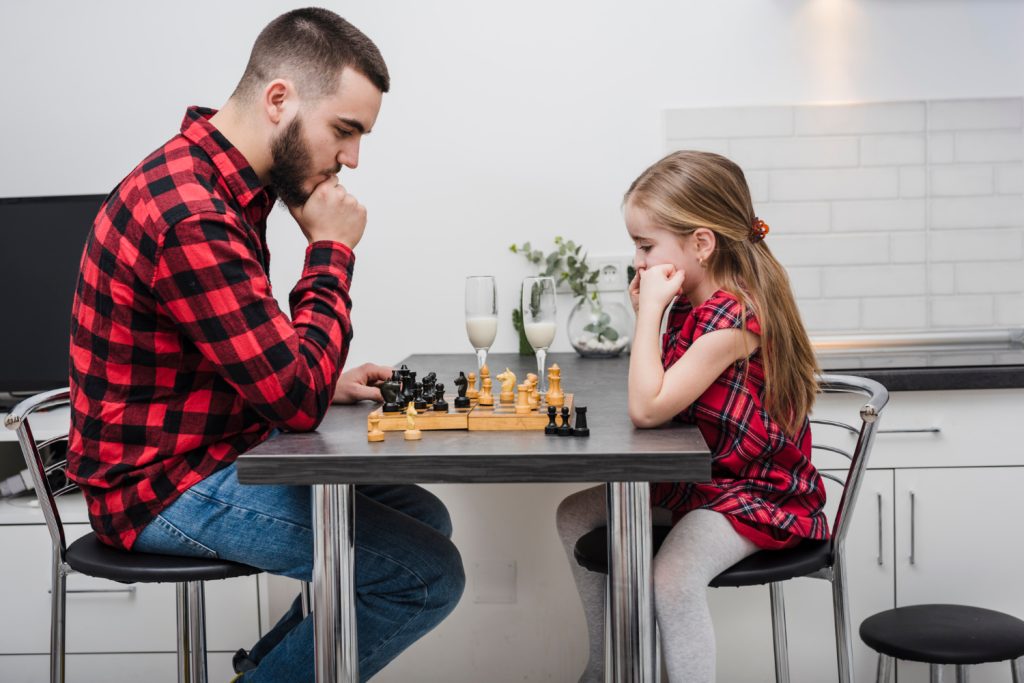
(659, 285)
(332, 214)
(354, 385)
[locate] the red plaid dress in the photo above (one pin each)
(761, 480)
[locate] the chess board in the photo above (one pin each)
(499, 417)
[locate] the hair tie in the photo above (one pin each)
(758, 230)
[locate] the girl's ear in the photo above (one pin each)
(704, 242)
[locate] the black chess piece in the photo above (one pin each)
(409, 388)
(428, 381)
(461, 383)
(581, 428)
(389, 390)
(417, 400)
(564, 429)
(551, 428)
(440, 405)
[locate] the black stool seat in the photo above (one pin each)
(90, 556)
(763, 567)
(945, 634)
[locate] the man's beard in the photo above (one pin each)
(291, 164)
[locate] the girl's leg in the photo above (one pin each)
(699, 547)
(577, 515)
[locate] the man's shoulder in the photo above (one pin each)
(176, 181)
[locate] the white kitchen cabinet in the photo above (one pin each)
(966, 480)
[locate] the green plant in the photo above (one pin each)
(568, 264)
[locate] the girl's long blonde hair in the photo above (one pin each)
(688, 190)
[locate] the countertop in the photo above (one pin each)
(929, 365)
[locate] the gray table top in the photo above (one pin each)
(338, 451)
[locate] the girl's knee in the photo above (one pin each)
(448, 579)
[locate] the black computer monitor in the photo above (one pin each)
(41, 241)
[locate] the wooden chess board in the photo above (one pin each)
(499, 417)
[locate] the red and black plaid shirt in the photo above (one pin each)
(761, 480)
(181, 358)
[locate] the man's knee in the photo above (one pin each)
(449, 580)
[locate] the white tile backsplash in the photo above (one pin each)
(889, 216)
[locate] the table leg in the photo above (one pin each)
(335, 646)
(631, 627)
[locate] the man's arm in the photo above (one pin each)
(210, 281)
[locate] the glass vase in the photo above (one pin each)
(600, 326)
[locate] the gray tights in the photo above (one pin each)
(699, 547)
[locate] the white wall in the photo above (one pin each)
(507, 122)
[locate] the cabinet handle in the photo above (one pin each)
(912, 430)
(129, 590)
(912, 527)
(879, 529)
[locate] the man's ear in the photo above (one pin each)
(704, 240)
(278, 99)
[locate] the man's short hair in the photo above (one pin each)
(311, 47)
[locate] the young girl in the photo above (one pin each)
(736, 361)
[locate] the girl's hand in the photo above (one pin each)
(634, 290)
(659, 286)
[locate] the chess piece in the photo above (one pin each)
(409, 388)
(461, 384)
(564, 429)
(581, 422)
(551, 428)
(428, 382)
(531, 379)
(486, 398)
(411, 433)
(375, 433)
(508, 383)
(389, 390)
(418, 400)
(555, 397)
(440, 405)
(472, 391)
(523, 400)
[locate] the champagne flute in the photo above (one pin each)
(538, 306)
(481, 315)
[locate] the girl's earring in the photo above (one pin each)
(702, 262)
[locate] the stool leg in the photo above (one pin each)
(58, 601)
(191, 632)
(307, 599)
(1017, 669)
(841, 614)
(884, 668)
(935, 673)
(779, 639)
(962, 673)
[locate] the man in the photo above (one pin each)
(181, 359)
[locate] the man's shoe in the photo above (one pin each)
(241, 663)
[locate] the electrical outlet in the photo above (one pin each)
(613, 269)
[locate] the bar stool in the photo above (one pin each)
(815, 559)
(90, 557)
(957, 635)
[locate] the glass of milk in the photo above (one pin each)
(538, 306)
(481, 315)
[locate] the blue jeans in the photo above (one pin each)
(409, 575)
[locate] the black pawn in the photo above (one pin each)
(565, 429)
(581, 422)
(551, 427)
(440, 405)
(418, 400)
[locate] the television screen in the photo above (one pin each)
(41, 241)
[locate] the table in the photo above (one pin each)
(338, 456)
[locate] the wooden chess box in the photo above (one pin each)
(499, 417)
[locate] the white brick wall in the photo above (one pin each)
(902, 216)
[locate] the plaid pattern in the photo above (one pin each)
(762, 481)
(181, 358)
